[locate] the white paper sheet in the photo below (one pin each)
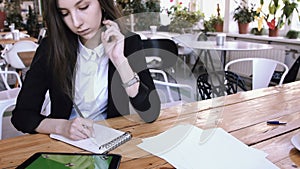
(181, 147)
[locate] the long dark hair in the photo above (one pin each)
(64, 43)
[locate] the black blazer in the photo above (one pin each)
(26, 116)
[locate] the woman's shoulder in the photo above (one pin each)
(42, 51)
(44, 43)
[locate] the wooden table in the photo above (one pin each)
(12, 41)
(6, 32)
(243, 115)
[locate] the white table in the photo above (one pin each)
(157, 35)
(228, 46)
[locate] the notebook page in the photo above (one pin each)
(103, 135)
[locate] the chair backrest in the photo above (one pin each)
(8, 96)
(166, 53)
(293, 71)
(262, 70)
(219, 83)
(164, 50)
(11, 56)
(169, 87)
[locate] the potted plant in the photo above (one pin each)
(244, 14)
(292, 34)
(255, 31)
(217, 22)
(182, 18)
(13, 14)
(146, 12)
(277, 15)
(214, 24)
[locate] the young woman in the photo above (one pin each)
(86, 63)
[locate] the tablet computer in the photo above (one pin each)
(47, 160)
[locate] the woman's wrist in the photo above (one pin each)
(125, 71)
(119, 63)
(49, 126)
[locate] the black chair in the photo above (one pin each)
(163, 54)
(291, 75)
(219, 83)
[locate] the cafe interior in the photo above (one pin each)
(227, 75)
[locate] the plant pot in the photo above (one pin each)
(243, 28)
(273, 32)
(219, 27)
(2, 19)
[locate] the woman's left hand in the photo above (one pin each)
(113, 41)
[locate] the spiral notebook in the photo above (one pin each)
(106, 139)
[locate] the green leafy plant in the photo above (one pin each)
(255, 31)
(182, 18)
(277, 15)
(244, 13)
(32, 24)
(146, 12)
(216, 20)
(13, 13)
(210, 25)
(293, 34)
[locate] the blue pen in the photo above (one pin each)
(276, 122)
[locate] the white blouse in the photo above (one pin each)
(91, 83)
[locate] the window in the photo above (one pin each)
(295, 25)
(226, 10)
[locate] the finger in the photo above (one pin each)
(78, 135)
(87, 132)
(112, 35)
(110, 23)
(88, 127)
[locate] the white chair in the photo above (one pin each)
(162, 54)
(262, 70)
(10, 54)
(168, 86)
(8, 97)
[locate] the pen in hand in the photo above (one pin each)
(85, 126)
(276, 123)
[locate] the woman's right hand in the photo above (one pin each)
(79, 128)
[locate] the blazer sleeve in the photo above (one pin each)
(26, 115)
(146, 102)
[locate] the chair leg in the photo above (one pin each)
(197, 60)
(20, 74)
